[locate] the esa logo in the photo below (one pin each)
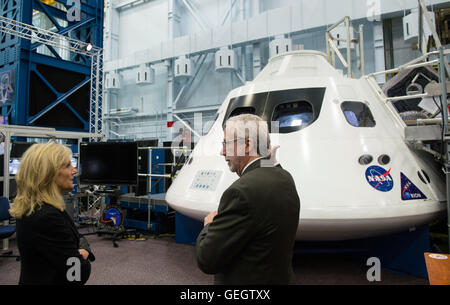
(409, 190)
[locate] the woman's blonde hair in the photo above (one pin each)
(36, 178)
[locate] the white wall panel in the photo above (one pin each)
(167, 49)
(279, 21)
(301, 15)
(297, 17)
(142, 37)
(182, 45)
(336, 10)
(222, 35)
(240, 31)
(313, 13)
(257, 27)
(142, 56)
(155, 53)
(202, 41)
(143, 28)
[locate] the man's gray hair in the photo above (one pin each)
(255, 128)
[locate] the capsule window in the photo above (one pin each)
(423, 176)
(293, 115)
(242, 110)
(358, 114)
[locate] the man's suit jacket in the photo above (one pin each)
(46, 240)
(252, 237)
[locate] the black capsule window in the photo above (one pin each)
(423, 176)
(358, 114)
(242, 110)
(293, 116)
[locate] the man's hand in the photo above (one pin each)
(209, 218)
(272, 153)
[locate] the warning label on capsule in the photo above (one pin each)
(379, 178)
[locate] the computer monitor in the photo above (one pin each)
(108, 163)
(14, 164)
(19, 148)
(74, 161)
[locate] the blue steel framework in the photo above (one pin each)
(20, 56)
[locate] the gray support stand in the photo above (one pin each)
(443, 81)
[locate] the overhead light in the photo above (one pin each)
(88, 47)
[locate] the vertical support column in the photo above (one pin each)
(255, 7)
(6, 178)
(420, 22)
(327, 41)
(242, 16)
(170, 91)
(99, 92)
(9, 47)
(172, 18)
(112, 22)
(349, 50)
(378, 43)
(111, 52)
(20, 109)
(443, 79)
(96, 97)
(361, 46)
(6, 158)
(243, 64)
(256, 59)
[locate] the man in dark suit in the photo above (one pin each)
(250, 239)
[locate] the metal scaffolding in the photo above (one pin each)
(30, 32)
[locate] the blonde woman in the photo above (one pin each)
(51, 249)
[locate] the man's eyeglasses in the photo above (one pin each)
(231, 141)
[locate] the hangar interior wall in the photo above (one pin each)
(154, 33)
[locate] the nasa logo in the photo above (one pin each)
(409, 190)
(379, 178)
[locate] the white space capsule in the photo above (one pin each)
(342, 143)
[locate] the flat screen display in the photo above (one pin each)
(19, 148)
(74, 161)
(14, 164)
(108, 163)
